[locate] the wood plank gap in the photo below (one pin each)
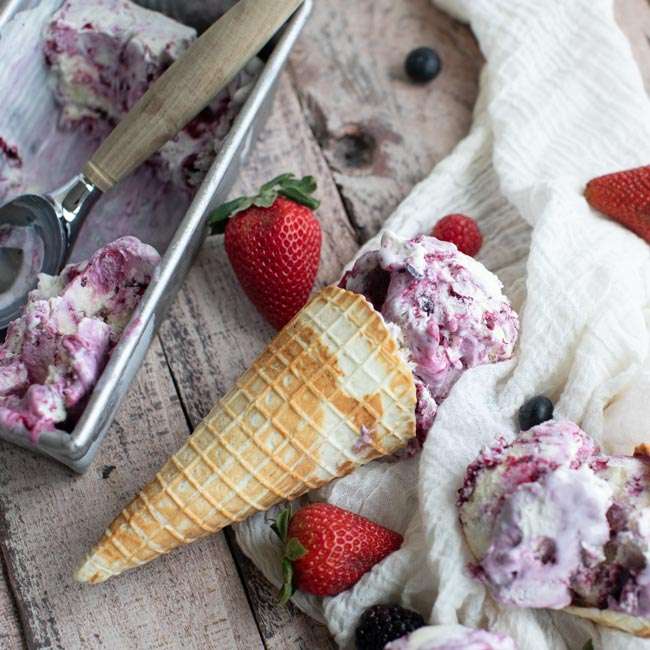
(172, 376)
(235, 552)
(228, 534)
(18, 631)
(319, 133)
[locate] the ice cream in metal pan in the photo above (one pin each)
(168, 104)
(554, 522)
(55, 351)
(146, 208)
(103, 56)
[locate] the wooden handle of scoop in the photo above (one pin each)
(187, 87)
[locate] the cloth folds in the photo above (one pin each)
(561, 101)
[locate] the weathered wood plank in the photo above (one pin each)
(281, 627)
(49, 518)
(213, 332)
(11, 634)
(379, 132)
(633, 16)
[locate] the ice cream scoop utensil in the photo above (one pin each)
(49, 223)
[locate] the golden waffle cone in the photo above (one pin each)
(292, 423)
(610, 618)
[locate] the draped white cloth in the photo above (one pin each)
(561, 101)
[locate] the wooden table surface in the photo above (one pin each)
(345, 114)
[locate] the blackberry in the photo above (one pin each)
(381, 624)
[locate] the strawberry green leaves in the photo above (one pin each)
(293, 550)
(298, 190)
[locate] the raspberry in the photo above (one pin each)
(461, 230)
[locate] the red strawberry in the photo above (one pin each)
(327, 549)
(460, 230)
(273, 241)
(625, 197)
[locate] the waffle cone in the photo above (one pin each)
(617, 620)
(330, 393)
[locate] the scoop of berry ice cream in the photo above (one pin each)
(555, 522)
(452, 637)
(104, 54)
(449, 311)
(55, 352)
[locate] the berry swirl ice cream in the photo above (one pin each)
(446, 308)
(452, 637)
(55, 352)
(11, 170)
(104, 54)
(554, 522)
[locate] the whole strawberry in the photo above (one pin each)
(273, 241)
(625, 197)
(461, 230)
(327, 549)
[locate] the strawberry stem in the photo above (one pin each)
(298, 190)
(293, 550)
(281, 525)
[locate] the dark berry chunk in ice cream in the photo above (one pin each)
(422, 64)
(535, 411)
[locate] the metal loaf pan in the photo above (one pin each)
(78, 448)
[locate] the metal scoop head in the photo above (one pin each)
(36, 233)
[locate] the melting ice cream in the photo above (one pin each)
(555, 522)
(446, 308)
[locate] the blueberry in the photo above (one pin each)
(422, 64)
(536, 410)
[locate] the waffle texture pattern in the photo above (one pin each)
(330, 393)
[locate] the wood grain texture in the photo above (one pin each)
(11, 634)
(213, 331)
(282, 628)
(379, 132)
(49, 518)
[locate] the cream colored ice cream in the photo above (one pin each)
(446, 308)
(554, 522)
(452, 637)
(104, 54)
